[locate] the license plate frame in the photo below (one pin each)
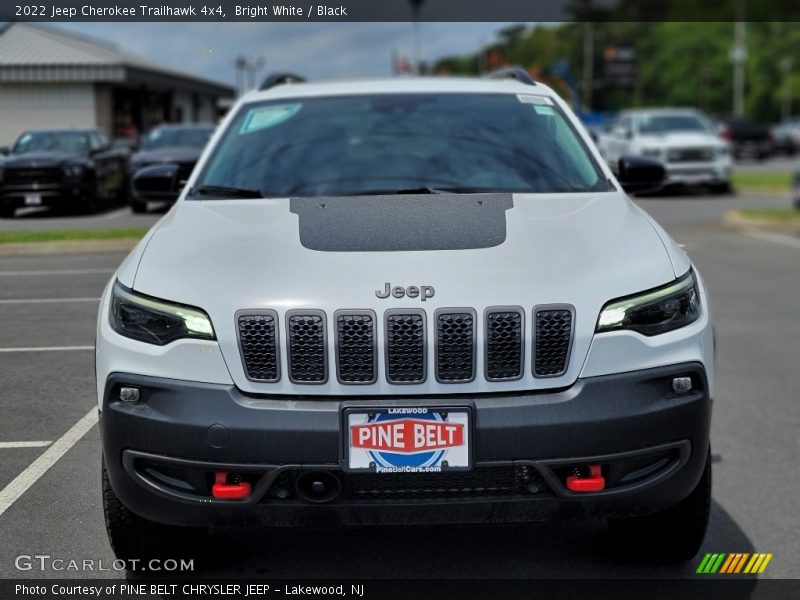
(33, 199)
(433, 419)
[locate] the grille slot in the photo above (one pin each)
(552, 339)
(258, 339)
(455, 345)
(355, 347)
(495, 481)
(405, 346)
(504, 343)
(307, 355)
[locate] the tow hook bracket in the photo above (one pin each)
(222, 490)
(594, 482)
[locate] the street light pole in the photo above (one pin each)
(416, 5)
(738, 58)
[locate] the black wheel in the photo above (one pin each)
(139, 540)
(671, 535)
(7, 211)
(137, 205)
(721, 188)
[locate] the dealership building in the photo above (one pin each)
(49, 78)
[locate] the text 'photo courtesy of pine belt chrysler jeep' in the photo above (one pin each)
(421, 300)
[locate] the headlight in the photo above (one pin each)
(155, 321)
(656, 311)
(654, 152)
(73, 170)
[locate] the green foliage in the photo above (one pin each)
(678, 63)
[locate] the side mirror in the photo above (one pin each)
(4, 150)
(158, 182)
(640, 174)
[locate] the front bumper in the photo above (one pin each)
(710, 173)
(161, 453)
(51, 194)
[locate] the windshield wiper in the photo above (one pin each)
(222, 191)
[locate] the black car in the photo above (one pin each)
(175, 149)
(748, 139)
(71, 169)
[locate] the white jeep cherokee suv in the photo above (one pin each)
(405, 301)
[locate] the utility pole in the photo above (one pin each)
(416, 5)
(588, 64)
(739, 58)
(786, 71)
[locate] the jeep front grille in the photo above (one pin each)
(455, 345)
(356, 350)
(552, 340)
(405, 346)
(362, 345)
(504, 343)
(258, 338)
(307, 355)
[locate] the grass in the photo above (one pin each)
(774, 215)
(67, 235)
(770, 182)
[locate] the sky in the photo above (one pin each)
(314, 50)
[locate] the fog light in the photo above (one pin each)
(129, 394)
(681, 384)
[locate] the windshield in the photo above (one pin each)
(164, 137)
(71, 142)
(349, 145)
(657, 124)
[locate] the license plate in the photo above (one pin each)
(33, 199)
(407, 440)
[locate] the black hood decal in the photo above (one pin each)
(402, 223)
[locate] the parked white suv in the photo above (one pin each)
(682, 139)
(405, 300)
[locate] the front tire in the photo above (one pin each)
(671, 535)
(7, 212)
(140, 540)
(721, 188)
(138, 206)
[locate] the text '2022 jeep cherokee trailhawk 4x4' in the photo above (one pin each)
(411, 300)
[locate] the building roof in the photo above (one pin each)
(37, 54)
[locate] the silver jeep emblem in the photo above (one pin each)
(424, 291)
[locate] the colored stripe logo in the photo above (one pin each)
(734, 563)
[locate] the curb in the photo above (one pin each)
(735, 218)
(77, 247)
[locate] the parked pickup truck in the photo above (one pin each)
(65, 169)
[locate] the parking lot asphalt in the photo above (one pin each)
(47, 397)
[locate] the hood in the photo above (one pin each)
(526, 250)
(681, 139)
(39, 159)
(171, 154)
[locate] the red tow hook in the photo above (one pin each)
(595, 482)
(229, 491)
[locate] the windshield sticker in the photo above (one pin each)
(268, 116)
(532, 99)
(544, 110)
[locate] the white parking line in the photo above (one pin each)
(776, 238)
(48, 349)
(47, 300)
(41, 444)
(55, 272)
(22, 482)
